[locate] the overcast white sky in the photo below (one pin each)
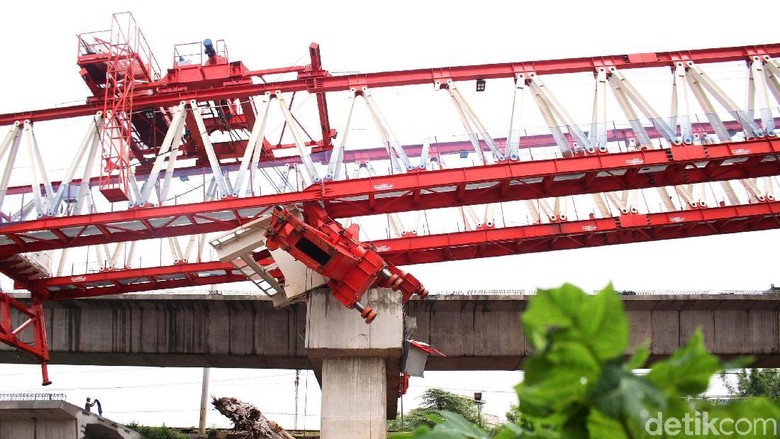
(39, 70)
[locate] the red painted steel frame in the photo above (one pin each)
(325, 83)
(473, 244)
(13, 336)
(506, 181)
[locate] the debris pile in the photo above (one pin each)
(249, 419)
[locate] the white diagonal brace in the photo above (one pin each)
(9, 146)
(709, 109)
(175, 130)
(216, 169)
(598, 127)
(758, 82)
(36, 179)
(619, 81)
(681, 112)
(731, 195)
(384, 130)
(337, 155)
(91, 137)
(748, 125)
(311, 171)
(512, 149)
(633, 120)
(560, 112)
(255, 143)
(772, 74)
(460, 101)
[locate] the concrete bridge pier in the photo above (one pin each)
(357, 365)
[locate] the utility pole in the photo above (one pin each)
(204, 396)
(297, 380)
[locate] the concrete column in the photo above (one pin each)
(354, 398)
(358, 365)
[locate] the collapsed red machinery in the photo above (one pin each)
(121, 70)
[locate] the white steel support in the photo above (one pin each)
(490, 217)
(337, 155)
(162, 196)
(691, 194)
(681, 112)
(216, 170)
(465, 109)
(772, 75)
(622, 87)
(748, 125)
(175, 130)
(534, 211)
(311, 171)
(253, 146)
(425, 154)
(601, 206)
(9, 146)
(731, 195)
(709, 109)
(470, 218)
(88, 146)
(512, 149)
(397, 229)
(561, 207)
(758, 93)
(552, 105)
(666, 199)
(39, 176)
(470, 132)
(130, 255)
(751, 186)
(388, 137)
(598, 127)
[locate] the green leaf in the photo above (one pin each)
(688, 370)
(603, 426)
(640, 355)
(568, 313)
(510, 431)
(738, 362)
(453, 425)
(622, 395)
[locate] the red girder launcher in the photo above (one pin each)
(328, 248)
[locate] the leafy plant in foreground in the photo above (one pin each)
(578, 383)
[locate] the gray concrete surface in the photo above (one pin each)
(476, 332)
(56, 420)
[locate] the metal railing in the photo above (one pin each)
(32, 397)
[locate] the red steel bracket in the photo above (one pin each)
(39, 346)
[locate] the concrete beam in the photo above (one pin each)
(476, 332)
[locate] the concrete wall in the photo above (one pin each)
(56, 420)
(218, 331)
(476, 332)
(484, 332)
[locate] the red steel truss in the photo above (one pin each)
(487, 242)
(505, 181)
(320, 81)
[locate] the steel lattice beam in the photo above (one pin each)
(326, 83)
(505, 181)
(490, 242)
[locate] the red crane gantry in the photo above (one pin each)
(206, 119)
